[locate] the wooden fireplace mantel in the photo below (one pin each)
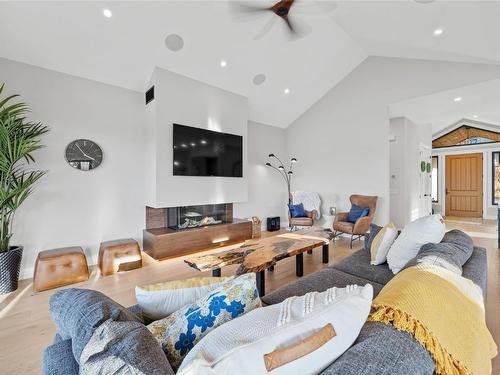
(162, 243)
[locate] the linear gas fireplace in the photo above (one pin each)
(178, 231)
(198, 216)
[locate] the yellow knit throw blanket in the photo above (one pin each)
(445, 314)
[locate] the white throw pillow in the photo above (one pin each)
(382, 243)
(238, 346)
(414, 235)
(160, 300)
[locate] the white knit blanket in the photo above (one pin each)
(309, 199)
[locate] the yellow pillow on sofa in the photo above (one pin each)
(160, 300)
(382, 243)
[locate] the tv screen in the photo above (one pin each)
(200, 152)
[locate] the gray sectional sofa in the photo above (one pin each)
(379, 349)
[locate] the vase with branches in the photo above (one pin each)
(19, 139)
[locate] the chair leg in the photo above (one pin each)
(350, 245)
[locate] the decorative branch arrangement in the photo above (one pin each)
(286, 174)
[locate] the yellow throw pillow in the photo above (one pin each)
(382, 243)
(160, 300)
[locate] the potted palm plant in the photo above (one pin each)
(19, 139)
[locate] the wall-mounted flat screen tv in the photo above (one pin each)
(201, 152)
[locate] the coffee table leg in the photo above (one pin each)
(271, 269)
(216, 272)
(299, 265)
(326, 253)
(261, 282)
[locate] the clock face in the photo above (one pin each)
(83, 154)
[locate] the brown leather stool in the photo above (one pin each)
(119, 255)
(58, 267)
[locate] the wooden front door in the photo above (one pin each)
(464, 185)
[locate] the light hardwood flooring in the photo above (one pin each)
(26, 328)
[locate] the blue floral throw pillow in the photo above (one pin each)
(179, 332)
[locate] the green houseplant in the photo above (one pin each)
(19, 139)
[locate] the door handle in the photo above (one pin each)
(446, 191)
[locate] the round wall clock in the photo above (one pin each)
(83, 154)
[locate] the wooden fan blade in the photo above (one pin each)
(267, 27)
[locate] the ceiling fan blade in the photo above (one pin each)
(239, 8)
(267, 27)
(298, 28)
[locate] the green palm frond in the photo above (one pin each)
(19, 139)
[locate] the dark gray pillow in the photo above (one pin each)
(456, 248)
(124, 348)
(374, 229)
(78, 312)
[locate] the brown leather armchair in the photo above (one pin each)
(362, 225)
(301, 221)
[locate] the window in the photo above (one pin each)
(495, 165)
(434, 179)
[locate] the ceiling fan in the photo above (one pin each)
(284, 10)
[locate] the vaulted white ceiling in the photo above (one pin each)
(74, 37)
(478, 103)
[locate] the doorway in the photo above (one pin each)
(464, 185)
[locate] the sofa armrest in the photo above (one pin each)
(58, 359)
(362, 225)
(342, 216)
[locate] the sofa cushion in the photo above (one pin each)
(358, 264)
(374, 229)
(58, 358)
(126, 348)
(78, 312)
(383, 350)
(452, 252)
(239, 346)
(183, 329)
(413, 236)
(317, 282)
(475, 268)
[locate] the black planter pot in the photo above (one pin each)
(10, 265)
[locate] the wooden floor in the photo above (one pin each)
(26, 328)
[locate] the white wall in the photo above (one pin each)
(342, 140)
(407, 138)
(185, 101)
(267, 193)
(68, 206)
(489, 210)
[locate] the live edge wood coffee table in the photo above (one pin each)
(259, 255)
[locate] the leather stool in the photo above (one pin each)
(58, 267)
(119, 255)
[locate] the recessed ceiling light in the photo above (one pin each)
(259, 79)
(174, 42)
(107, 13)
(286, 91)
(424, 1)
(223, 63)
(458, 99)
(475, 116)
(438, 32)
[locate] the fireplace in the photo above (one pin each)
(178, 231)
(189, 217)
(186, 217)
